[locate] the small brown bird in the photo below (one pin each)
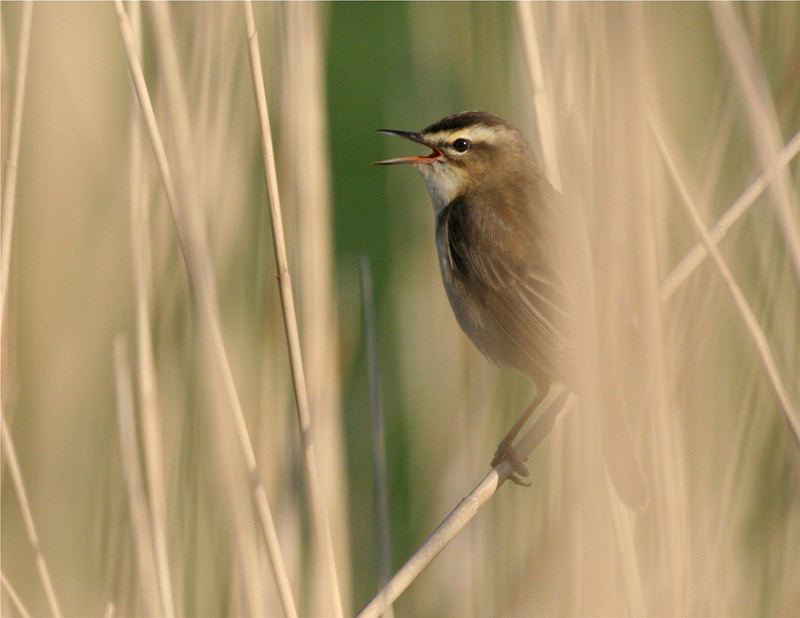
(498, 224)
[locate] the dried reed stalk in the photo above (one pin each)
(12, 594)
(541, 103)
(153, 462)
(748, 317)
(197, 265)
(9, 198)
(554, 406)
(132, 465)
(695, 256)
(306, 189)
(12, 159)
(382, 535)
(10, 454)
(763, 121)
(8, 204)
(318, 507)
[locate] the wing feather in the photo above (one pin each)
(524, 300)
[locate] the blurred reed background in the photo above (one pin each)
(673, 490)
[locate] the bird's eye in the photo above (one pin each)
(461, 144)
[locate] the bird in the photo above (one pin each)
(499, 226)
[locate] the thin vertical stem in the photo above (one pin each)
(318, 508)
(378, 433)
(542, 107)
(201, 282)
(143, 544)
(148, 392)
(10, 174)
(10, 454)
(303, 129)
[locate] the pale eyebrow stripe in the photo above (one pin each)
(475, 133)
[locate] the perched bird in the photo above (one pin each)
(499, 225)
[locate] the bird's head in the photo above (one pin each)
(469, 151)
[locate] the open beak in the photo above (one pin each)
(414, 137)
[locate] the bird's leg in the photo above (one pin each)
(505, 450)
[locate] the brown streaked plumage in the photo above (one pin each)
(498, 224)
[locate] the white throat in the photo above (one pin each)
(444, 183)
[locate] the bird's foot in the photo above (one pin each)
(505, 452)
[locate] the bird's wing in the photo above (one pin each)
(515, 282)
